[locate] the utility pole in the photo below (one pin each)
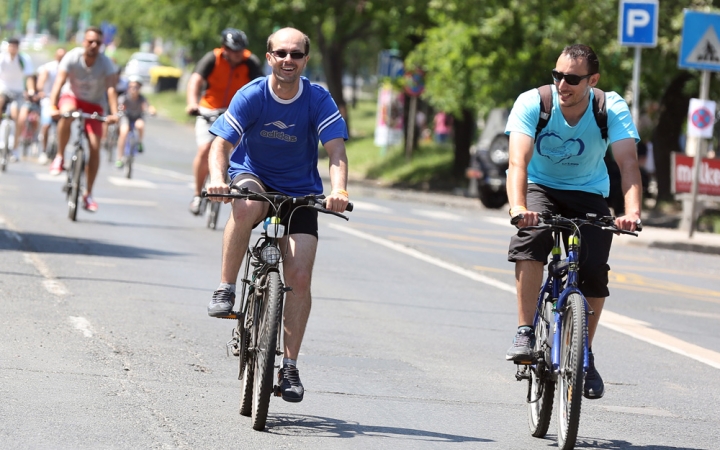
(32, 22)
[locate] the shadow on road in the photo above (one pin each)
(313, 426)
(605, 444)
(47, 243)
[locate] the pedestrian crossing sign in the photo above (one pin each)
(700, 47)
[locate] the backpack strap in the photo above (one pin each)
(600, 112)
(546, 104)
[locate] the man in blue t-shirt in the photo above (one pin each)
(267, 141)
(563, 171)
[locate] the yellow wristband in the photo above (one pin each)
(340, 191)
(516, 209)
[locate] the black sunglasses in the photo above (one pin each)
(90, 41)
(572, 80)
(282, 54)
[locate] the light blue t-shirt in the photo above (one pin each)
(565, 157)
(279, 138)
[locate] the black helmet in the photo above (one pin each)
(234, 39)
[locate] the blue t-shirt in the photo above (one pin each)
(279, 138)
(565, 157)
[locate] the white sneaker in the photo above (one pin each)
(42, 158)
(15, 157)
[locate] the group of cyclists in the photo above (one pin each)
(262, 132)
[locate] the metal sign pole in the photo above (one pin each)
(636, 88)
(697, 161)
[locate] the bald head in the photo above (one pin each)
(288, 34)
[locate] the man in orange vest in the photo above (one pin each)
(223, 71)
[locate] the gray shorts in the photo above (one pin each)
(202, 126)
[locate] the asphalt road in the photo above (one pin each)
(105, 341)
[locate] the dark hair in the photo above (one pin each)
(94, 30)
(577, 51)
(306, 40)
(13, 40)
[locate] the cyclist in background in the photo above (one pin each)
(84, 77)
(132, 105)
(563, 171)
(16, 80)
(223, 70)
(46, 79)
(276, 123)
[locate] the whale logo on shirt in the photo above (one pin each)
(552, 147)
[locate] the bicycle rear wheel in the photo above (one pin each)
(541, 386)
(570, 379)
(212, 211)
(77, 165)
(267, 327)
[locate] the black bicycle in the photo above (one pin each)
(560, 358)
(74, 183)
(257, 337)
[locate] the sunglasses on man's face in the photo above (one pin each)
(572, 80)
(282, 54)
(91, 42)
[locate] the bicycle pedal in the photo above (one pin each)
(232, 316)
(524, 363)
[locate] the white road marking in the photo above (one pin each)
(440, 215)
(47, 177)
(82, 324)
(122, 201)
(132, 182)
(622, 324)
(166, 172)
(498, 221)
(365, 206)
(50, 283)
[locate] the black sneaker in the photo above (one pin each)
(594, 387)
(521, 351)
(195, 205)
(221, 304)
(290, 386)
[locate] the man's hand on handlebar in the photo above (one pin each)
(218, 187)
(337, 201)
(192, 110)
(525, 219)
(112, 118)
(629, 222)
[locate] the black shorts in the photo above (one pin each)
(536, 245)
(304, 219)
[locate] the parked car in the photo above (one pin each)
(489, 162)
(140, 64)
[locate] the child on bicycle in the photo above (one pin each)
(132, 105)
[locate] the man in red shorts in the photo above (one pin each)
(84, 78)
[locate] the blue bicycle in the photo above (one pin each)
(560, 357)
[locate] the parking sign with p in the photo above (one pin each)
(638, 23)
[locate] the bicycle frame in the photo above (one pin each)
(559, 292)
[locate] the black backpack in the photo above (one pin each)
(546, 104)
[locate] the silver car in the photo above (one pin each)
(140, 64)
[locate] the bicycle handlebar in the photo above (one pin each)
(77, 114)
(550, 220)
(209, 118)
(314, 201)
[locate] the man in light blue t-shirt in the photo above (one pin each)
(562, 170)
(267, 140)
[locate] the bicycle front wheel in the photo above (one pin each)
(5, 156)
(75, 184)
(267, 327)
(212, 211)
(246, 362)
(541, 386)
(128, 166)
(570, 379)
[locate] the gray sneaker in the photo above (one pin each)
(195, 205)
(521, 351)
(291, 388)
(221, 304)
